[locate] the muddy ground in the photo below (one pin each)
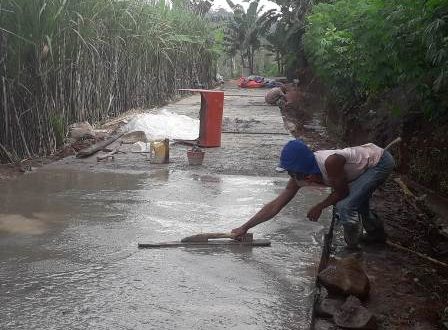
(407, 291)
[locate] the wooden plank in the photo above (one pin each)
(196, 90)
(213, 243)
(187, 142)
(106, 156)
(97, 146)
(204, 237)
(243, 95)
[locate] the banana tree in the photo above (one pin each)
(245, 30)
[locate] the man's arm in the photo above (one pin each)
(271, 209)
(337, 180)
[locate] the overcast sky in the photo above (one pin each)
(223, 4)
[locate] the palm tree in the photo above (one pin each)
(245, 30)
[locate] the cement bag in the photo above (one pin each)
(165, 125)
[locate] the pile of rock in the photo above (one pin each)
(347, 284)
(79, 136)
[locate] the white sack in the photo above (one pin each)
(141, 147)
(165, 124)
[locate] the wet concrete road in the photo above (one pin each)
(69, 234)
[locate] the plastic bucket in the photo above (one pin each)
(195, 157)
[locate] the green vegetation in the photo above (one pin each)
(271, 70)
(364, 47)
(63, 61)
(245, 30)
(286, 38)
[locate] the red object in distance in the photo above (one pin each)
(210, 116)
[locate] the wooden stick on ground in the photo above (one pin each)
(421, 255)
(409, 195)
(110, 154)
(97, 146)
(397, 140)
(405, 188)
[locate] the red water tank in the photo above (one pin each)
(210, 127)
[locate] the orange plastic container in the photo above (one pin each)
(210, 127)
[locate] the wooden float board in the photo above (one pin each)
(212, 243)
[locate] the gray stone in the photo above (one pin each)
(322, 324)
(352, 315)
(83, 130)
(134, 137)
(328, 307)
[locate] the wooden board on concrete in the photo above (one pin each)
(86, 152)
(211, 243)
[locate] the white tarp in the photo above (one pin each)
(165, 124)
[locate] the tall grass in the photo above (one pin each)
(63, 61)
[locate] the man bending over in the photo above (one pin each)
(353, 173)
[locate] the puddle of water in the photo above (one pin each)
(69, 257)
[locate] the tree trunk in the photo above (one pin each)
(242, 64)
(251, 60)
(278, 59)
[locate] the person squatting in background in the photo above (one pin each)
(290, 101)
(276, 96)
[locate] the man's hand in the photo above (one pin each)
(238, 232)
(269, 210)
(314, 213)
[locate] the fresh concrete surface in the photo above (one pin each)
(69, 234)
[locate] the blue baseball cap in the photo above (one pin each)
(297, 157)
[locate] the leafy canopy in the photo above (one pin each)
(364, 47)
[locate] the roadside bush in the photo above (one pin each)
(364, 47)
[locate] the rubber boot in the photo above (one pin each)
(374, 228)
(352, 235)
